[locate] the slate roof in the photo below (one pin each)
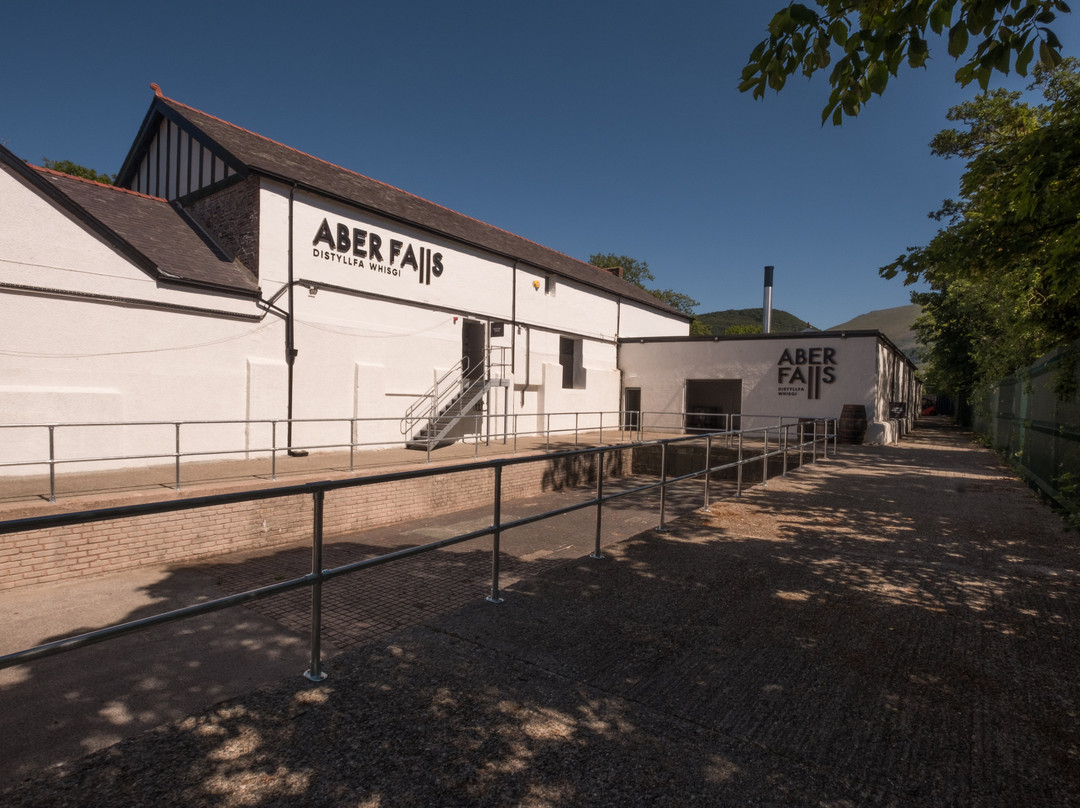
(174, 246)
(275, 160)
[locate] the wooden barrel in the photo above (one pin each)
(852, 426)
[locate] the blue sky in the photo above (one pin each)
(585, 126)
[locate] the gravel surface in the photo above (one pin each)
(897, 626)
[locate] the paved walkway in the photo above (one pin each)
(897, 626)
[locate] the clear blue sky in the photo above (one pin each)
(586, 126)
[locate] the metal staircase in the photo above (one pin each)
(456, 397)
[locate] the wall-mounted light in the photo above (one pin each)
(536, 285)
(312, 291)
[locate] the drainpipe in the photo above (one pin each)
(290, 345)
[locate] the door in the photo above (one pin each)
(473, 342)
(631, 416)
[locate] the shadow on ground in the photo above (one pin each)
(897, 627)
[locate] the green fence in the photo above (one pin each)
(1039, 433)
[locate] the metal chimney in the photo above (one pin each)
(766, 307)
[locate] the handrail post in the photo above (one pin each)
(352, 444)
(547, 433)
(599, 502)
(315, 672)
(177, 425)
(765, 460)
(477, 427)
(738, 475)
(601, 427)
(273, 450)
(708, 467)
(784, 436)
(577, 416)
(813, 445)
(663, 486)
(495, 537)
(52, 463)
(515, 432)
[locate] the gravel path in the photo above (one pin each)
(898, 626)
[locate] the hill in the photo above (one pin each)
(782, 322)
(895, 323)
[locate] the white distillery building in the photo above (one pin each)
(227, 277)
(767, 377)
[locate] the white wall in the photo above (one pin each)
(69, 359)
(64, 359)
(774, 384)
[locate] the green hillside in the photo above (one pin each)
(895, 323)
(782, 322)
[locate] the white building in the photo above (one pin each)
(808, 375)
(229, 277)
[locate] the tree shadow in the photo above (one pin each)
(870, 633)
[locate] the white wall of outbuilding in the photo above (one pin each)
(810, 375)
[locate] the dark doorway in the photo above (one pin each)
(473, 343)
(711, 403)
(631, 416)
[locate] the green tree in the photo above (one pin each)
(1005, 270)
(868, 41)
(637, 272)
(76, 170)
(736, 330)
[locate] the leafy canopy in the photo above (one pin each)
(867, 41)
(1004, 271)
(637, 272)
(76, 170)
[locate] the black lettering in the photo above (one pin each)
(815, 356)
(797, 375)
(342, 238)
(828, 375)
(830, 356)
(785, 357)
(800, 356)
(409, 258)
(395, 250)
(436, 265)
(358, 238)
(374, 243)
(324, 234)
(781, 375)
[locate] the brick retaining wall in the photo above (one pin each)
(42, 556)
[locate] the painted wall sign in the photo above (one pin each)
(805, 370)
(368, 249)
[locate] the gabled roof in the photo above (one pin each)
(266, 157)
(155, 235)
(178, 247)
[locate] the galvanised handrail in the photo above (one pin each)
(318, 490)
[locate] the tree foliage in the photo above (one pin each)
(76, 170)
(637, 272)
(1005, 269)
(868, 41)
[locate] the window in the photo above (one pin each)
(573, 371)
(549, 286)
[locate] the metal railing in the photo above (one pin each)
(451, 385)
(629, 425)
(776, 442)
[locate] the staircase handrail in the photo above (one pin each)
(427, 405)
(430, 404)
